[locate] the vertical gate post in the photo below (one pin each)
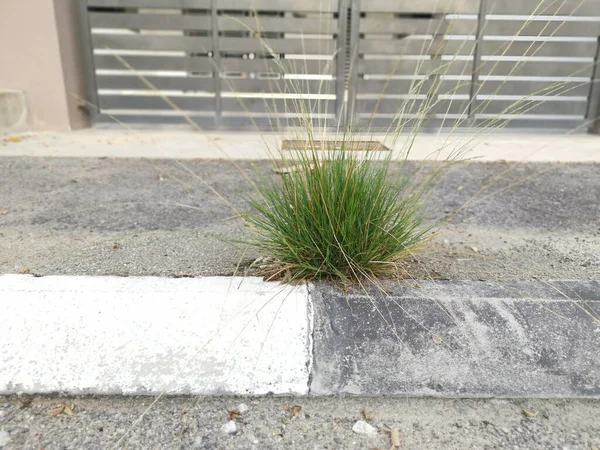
(347, 59)
(593, 113)
(341, 57)
(92, 104)
(476, 61)
(353, 51)
(216, 56)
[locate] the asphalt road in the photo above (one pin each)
(158, 217)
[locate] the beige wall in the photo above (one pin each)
(42, 61)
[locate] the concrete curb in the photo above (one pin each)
(142, 335)
(243, 336)
(459, 339)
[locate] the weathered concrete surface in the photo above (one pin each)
(466, 339)
(322, 423)
(152, 217)
(109, 335)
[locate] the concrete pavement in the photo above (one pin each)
(321, 423)
(171, 143)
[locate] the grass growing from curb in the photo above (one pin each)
(339, 218)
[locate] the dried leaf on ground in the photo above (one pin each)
(3, 211)
(14, 139)
(62, 408)
(295, 410)
(233, 414)
(25, 270)
(528, 413)
(395, 438)
(436, 339)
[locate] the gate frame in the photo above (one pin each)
(348, 36)
(89, 68)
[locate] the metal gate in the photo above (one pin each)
(372, 63)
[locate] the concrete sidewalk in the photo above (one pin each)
(185, 145)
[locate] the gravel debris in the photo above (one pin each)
(362, 427)
(229, 428)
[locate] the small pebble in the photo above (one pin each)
(229, 428)
(362, 427)
(243, 408)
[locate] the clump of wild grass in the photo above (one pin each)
(340, 218)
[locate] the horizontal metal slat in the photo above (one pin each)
(554, 88)
(280, 5)
(156, 103)
(395, 106)
(159, 83)
(289, 66)
(540, 28)
(438, 25)
(393, 87)
(238, 121)
(150, 21)
(530, 123)
(167, 4)
(416, 47)
(426, 124)
(321, 25)
(553, 49)
(152, 42)
(568, 108)
(432, 125)
(536, 68)
(143, 120)
(171, 63)
(277, 106)
(421, 6)
(414, 67)
(278, 86)
(296, 46)
(528, 7)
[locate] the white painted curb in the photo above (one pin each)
(145, 335)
